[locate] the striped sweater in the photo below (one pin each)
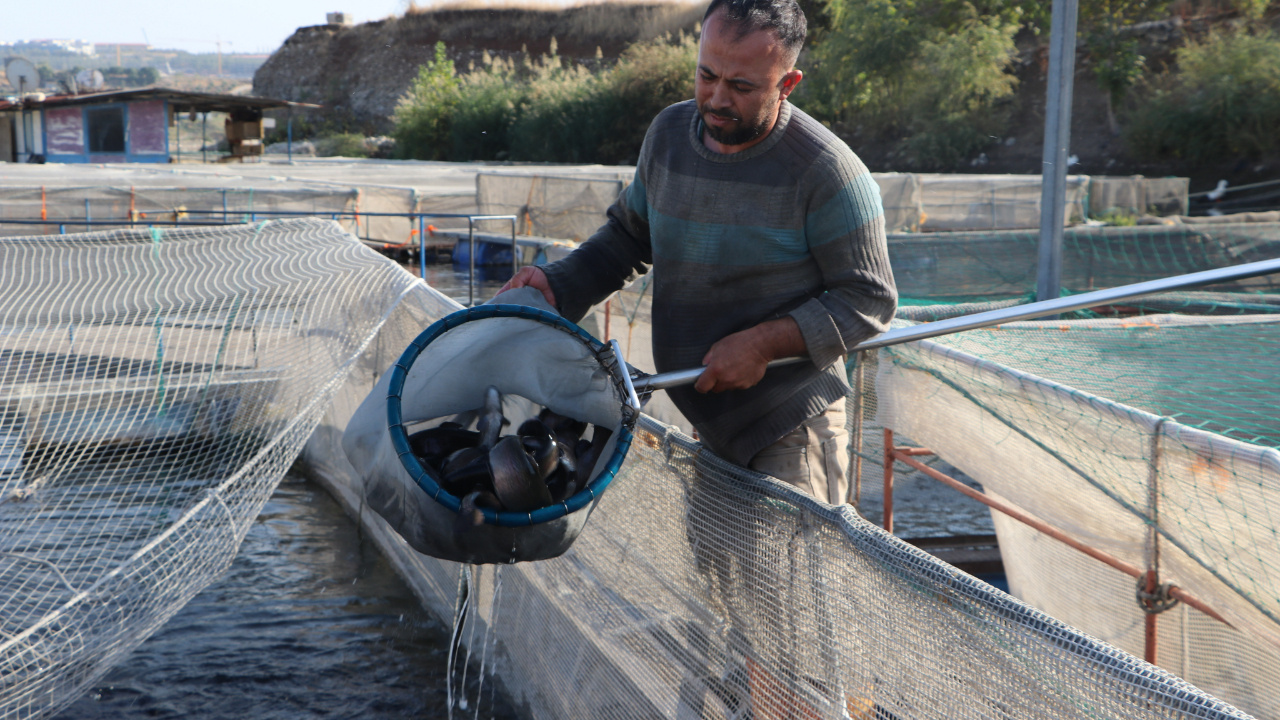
(790, 226)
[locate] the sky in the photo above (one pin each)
(242, 26)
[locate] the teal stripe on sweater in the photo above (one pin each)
(857, 204)
(684, 241)
(637, 198)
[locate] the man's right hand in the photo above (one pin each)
(531, 276)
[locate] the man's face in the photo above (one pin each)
(741, 82)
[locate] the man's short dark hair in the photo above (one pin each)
(783, 17)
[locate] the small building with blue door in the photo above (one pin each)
(121, 125)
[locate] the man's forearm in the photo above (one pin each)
(779, 338)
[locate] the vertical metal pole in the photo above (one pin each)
(515, 261)
(289, 125)
(224, 206)
(204, 137)
(1149, 622)
(1057, 137)
(1152, 581)
(607, 312)
(88, 217)
(422, 247)
(471, 271)
(888, 480)
(855, 487)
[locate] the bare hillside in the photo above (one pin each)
(359, 72)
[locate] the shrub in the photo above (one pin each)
(647, 78)
(545, 109)
(422, 117)
(342, 145)
(1223, 100)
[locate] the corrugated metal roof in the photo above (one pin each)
(182, 100)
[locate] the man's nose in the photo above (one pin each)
(720, 99)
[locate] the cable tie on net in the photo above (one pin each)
(1154, 603)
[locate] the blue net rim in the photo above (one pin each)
(400, 437)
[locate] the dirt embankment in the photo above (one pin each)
(359, 72)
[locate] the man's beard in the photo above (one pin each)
(731, 136)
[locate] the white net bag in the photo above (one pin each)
(533, 357)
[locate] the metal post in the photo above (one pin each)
(888, 480)
(471, 271)
(855, 487)
(289, 128)
(514, 258)
(1152, 579)
(224, 206)
(87, 216)
(204, 138)
(1057, 136)
(422, 247)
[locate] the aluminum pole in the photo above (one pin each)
(1030, 311)
(1057, 139)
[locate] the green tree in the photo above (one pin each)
(1223, 100)
(928, 75)
(1117, 66)
(422, 117)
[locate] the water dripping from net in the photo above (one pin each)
(466, 665)
(490, 641)
(455, 639)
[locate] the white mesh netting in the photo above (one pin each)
(154, 388)
(696, 590)
(1183, 477)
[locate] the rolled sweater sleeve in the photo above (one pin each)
(845, 233)
(617, 252)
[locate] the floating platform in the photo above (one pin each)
(496, 248)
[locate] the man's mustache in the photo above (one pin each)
(722, 115)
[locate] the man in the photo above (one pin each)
(766, 237)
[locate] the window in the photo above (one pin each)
(106, 130)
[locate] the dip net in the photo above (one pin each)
(154, 387)
(701, 590)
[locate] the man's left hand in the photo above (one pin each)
(738, 361)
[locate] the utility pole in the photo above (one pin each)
(1057, 138)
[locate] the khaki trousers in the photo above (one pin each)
(814, 457)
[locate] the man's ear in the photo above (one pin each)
(789, 83)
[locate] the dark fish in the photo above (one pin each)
(466, 470)
(491, 420)
(515, 479)
(438, 443)
(541, 446)
(561, 482)
(469, 515)
(566, 429)
(587, 458)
